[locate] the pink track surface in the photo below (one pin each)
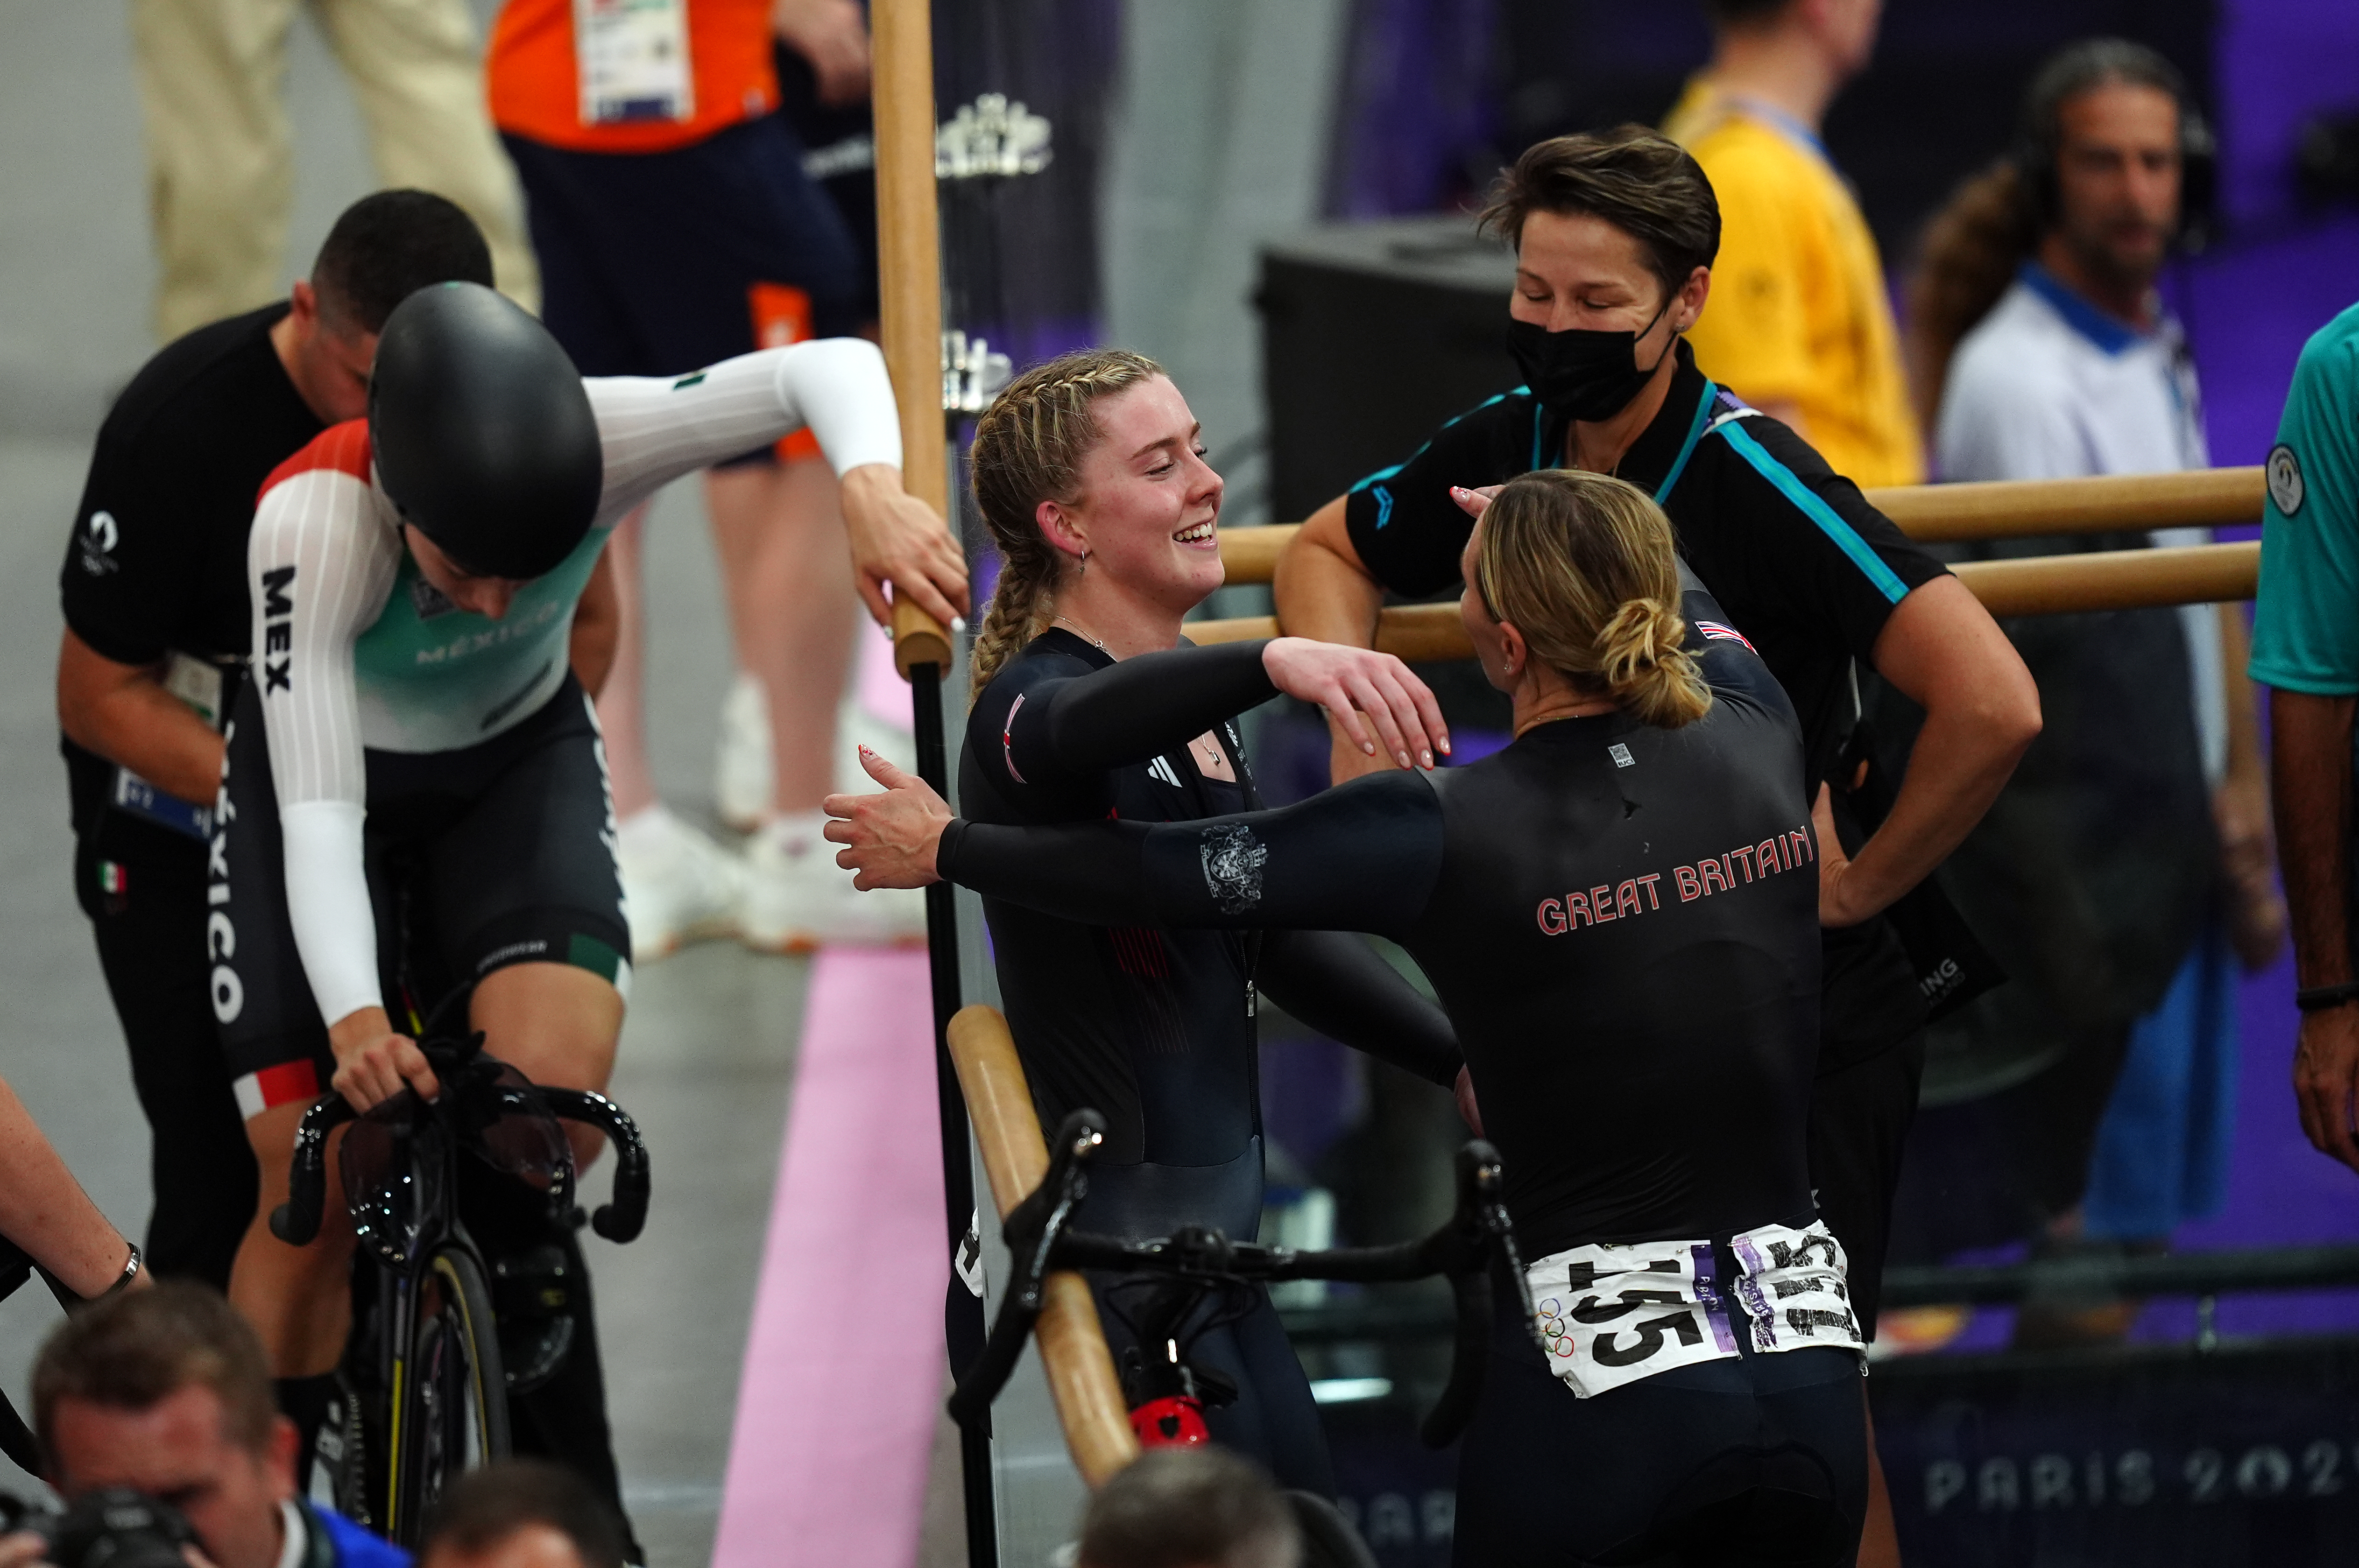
(844, 1364)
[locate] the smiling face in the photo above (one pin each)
(1148, 503)
(179, 1450)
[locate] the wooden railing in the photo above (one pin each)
(2035, 585)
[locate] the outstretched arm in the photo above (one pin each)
(1364, 858)
(655, 429)
(1334, 981)
(44, 1210)
(1144, 706)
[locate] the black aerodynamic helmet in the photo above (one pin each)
(482, 436)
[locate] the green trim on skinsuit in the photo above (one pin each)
(588, 953)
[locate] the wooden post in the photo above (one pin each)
(909, 288)
(909, 278)
(1072, 1342)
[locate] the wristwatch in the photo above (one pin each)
(130, 1273)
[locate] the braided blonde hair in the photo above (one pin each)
(1585, 565)
(1028, 447)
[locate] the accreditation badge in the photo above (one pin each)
(1611, 1315)
(1794, 1289)
(631, 60)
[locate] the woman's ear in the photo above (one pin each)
(1514, 652)
(1059, 525)
(1692, 295)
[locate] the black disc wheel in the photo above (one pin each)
(453, 1404)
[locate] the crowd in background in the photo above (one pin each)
(2123, 882)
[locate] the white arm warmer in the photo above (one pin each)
(652, 431)
(328, 903)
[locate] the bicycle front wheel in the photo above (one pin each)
(451, 1399)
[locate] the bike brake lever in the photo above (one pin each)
(297, 1221)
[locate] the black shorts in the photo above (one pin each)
(1859, 1116)
(500, 854)
(651, 262)
(1548, 1480)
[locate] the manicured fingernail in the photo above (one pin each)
(1427, 758)
(1401, 757)
(1369, 747)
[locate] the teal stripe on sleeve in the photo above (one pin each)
(1846, 539)
(1383, 474)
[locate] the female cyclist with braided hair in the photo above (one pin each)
(1091, 478)
(1620, 914)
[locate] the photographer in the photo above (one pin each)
(164, 1392)
(523, 1513)
(1187, 1507)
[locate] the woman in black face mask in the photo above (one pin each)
(1614, 237)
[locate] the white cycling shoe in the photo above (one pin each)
(798, 897)
(678, 886)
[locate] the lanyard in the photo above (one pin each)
(1696, 428)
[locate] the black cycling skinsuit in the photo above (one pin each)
(1810, 572)
(1622, 923)
(1155, 1028)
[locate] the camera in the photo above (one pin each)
(116, 1528)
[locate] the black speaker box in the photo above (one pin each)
(1373, 334)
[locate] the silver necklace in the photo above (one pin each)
(1078, 630)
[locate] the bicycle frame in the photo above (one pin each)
(472, 1098)
(1041, 1240)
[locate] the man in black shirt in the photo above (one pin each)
(1614, 237)
(156, 631)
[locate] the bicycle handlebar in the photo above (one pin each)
(1461, 1249)
(621, 1220)
(297, 1220)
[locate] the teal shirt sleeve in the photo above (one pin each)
(2306, 618)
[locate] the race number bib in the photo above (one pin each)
(1793, 1289)
(1611, 1315)
(631, 59)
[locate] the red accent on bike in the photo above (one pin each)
(1174, 1422)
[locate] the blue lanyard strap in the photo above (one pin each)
(1696, 428)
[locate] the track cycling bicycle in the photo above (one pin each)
(1196, 1269)
(428, 1384)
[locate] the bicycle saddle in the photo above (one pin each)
(1745, 1508)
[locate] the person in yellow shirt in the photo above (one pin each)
(1798, 324)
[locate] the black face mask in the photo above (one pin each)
(1581, 375)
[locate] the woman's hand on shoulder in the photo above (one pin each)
(889, 839)
(1374, 697)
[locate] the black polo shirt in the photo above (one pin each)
(1804, 567)
(157, 563)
